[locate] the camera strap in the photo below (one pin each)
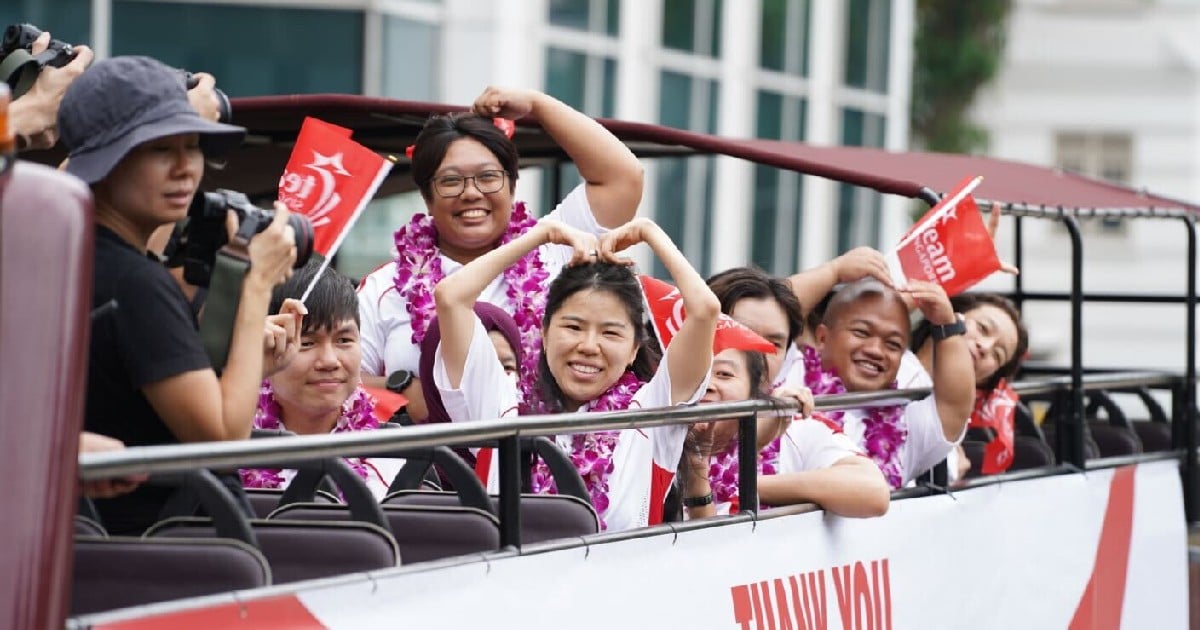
(20, 71)
(221, 305)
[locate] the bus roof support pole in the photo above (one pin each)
(748, 464)
(556, 181)
(510, 491)
(1018, 259)
(1191, 472)
(1074, 427)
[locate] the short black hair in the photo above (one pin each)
(332, 301)
(733, 285)
(442, 130)
(867, 288)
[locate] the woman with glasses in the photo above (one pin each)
(466, 170)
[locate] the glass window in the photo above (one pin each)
(684, 191)
(585, 82)
(784, 43)
(859, 208)
(67, 20)
(1107, 156)
(598, 16)
(251, 50)
(775, 237)
(410, 59)
(692, 26)
(868, 31)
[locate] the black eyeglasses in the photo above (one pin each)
(486, 182)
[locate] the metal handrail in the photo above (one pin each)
(267, 451)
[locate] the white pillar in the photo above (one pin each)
(101, 32)
(733, 190)
(637, 89)
(823, 127)
(895, 220)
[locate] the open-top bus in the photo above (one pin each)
(1090, 534)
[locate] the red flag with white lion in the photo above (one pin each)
(666, 308)
(330, 178)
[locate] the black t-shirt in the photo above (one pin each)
(150, 336)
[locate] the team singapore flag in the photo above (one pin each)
(666, 308)
(950, 245)
(330, 178)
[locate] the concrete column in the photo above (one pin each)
(895, 219)
(823, 127)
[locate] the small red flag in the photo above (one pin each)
(330, 178)
(950, 245)
(666, 308)
(387, 402)
(996, 411)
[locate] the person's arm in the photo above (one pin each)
(105, 488)
(613, 174)
(695, 484)
(690, 357)
(198, 405)
(812, 285)
(852, 487)
(953, 372)
(772, 426)
(34, 117)
(456, 294)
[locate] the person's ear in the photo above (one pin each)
(821, 335)
(633, 356)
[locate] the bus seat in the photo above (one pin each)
(1155, 436)
(301, 550)
(266, 500)
(543, 516)
(85, 526)
(423, 532)
(1114, 441)
(119, 572)
(1030, 452)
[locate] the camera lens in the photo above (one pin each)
(304, 238)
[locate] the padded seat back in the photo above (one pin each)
(1114, 441)
(1030, 452)
(423, 532)
(543, 516)
(1155, 436)
(85, 526)
(266, 500)
(113, 573)
(302, 550)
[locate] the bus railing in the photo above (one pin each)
(507, 433)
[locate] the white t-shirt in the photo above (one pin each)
(385, 325)
(380, 473)
(926, 444)
(644, 460)
(808, 445)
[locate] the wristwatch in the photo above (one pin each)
(959, 327)
(399, 381)
(698, 501)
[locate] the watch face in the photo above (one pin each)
(397, 381)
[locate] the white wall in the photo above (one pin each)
(1105, 66)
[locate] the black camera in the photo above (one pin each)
(205, 233)
(19, 67)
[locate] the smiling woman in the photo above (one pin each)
(466, 170)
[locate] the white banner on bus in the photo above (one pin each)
(1106, 549)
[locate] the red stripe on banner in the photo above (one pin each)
(1100, 606)
(660, 484)
(274, 612)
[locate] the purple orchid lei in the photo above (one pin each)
(419, 269)
(358, 414)
(592, 453)
(723, 469)
(884, 428)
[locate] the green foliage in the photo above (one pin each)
(958, 49)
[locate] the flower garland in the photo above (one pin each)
(723, 469)
(419, 269)
(884, 428)
(358, 414)
(592, 453)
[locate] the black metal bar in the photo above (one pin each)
(510, 492)
(1118, 298)
(1191, 468)
(556, 191)
(1075, 453)
(747, 464)
(928, 195)
(1018, 260)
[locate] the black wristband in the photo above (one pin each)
(698, 501)
(959, 327)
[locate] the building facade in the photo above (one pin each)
(1110, 89)
(822, 71)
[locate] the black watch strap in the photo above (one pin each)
(698, 501)
(399, 381)
(959, 327)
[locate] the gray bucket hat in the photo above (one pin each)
(122, 102)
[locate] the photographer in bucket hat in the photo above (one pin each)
(135, 139)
